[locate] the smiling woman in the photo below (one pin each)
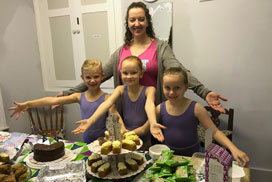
(155, 54)
(156, 57)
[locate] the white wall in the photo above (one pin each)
(227, 45)
(20, 67)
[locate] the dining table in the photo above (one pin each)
(82, 152)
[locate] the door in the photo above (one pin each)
(71, 31)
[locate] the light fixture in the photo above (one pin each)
(150, 1)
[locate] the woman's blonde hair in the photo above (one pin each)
(136, 59)
(90, 64)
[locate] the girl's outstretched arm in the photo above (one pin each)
(150, 104)
(204, 118)
(155, 127)
(20, 108)
(142, 130)
(102, 109)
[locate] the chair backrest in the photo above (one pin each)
(44, 120)
(215, 118)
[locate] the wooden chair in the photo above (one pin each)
(216, 119)
(41, 127)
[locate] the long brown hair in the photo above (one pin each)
(149, 29)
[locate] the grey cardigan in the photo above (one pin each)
(166, 59)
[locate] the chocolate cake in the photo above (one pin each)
(45, 153)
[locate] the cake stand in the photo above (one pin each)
(114, 159)
(114, 128)
(32, 163)
(96, 148)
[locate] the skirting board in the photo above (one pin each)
(260, 175)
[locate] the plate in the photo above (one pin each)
(96, 148)
(32, 163)
(114, 172)
(28, 172)
(11, 151)
(4, 136)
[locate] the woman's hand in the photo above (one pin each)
(19, 109)
(155, 129)
(240, 157)
(83, 126)
(212, 99)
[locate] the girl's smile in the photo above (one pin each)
(92, 78)
(130, 73)
(173, 87)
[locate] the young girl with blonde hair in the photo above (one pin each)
(178, 116)
(138, 101)
(92, 75)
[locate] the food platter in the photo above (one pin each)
(96, 148)
(114, 172)
(21, 172)
(29, 173)
(11, 151)
(4, 136)
(32, 163)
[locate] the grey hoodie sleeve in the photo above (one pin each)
(169, 60)
(79, 88)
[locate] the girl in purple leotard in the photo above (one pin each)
(92, 75)
(179, 117)
(138, 101)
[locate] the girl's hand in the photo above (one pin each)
(156, 131)
(83, 126)
(19, 109)
(240, 157)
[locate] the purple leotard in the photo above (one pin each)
(134, 114)
(87, 109)
(181, 133)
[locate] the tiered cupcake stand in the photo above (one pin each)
(114, 128)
